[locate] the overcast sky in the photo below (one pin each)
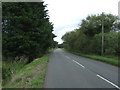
(66, 15)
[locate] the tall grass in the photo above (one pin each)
(31, 75)
(9, 68)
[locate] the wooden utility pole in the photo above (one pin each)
(102, 49)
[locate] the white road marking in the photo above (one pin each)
(67, 57)
(108, 81)
(97, 74)
(78, 63)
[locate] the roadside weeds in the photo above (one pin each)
(31, 75)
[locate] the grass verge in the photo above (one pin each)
(108, 60)
(31, 75)
(9, 69)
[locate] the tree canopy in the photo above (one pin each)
(87, 38)
(92, 24)
(26, 29)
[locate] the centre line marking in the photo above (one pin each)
(67, 57)
(78, 63)
(108, 81)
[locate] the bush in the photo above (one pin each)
(110, 51)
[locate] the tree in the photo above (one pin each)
(68, 39)
(55, 44)
(92, 24)
(111, 43)
(26, 29)
(87, 38)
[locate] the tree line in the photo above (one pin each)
(87, 38)
(26, 30)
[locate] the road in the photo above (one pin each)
(66, 70)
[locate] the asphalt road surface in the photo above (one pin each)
(66, 70)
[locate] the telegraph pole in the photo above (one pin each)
(102, 49)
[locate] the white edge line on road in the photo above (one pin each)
(78, 63)
(108, 81)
